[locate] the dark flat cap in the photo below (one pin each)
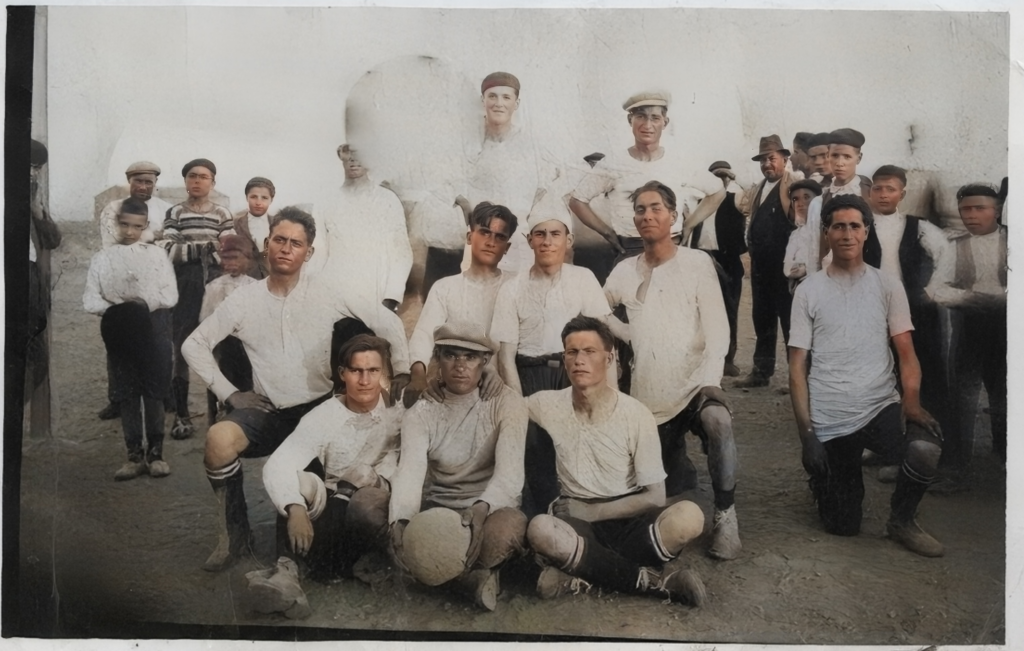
(806, 184)
(199, 162)
(802, 139)
(719, 165)
(818, 140)
(769, 144)
(38, 154)
(499, 79)
(850, 137)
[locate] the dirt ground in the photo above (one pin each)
(99, 558)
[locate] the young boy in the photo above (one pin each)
(132, 286)
(254, 225)
(236, 260)
(793, 265)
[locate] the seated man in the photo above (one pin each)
(284, 323)
(470, 452)
(610, 525)
(334, 518)
(845, 316)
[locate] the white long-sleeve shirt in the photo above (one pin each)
(340, 439)
(125, 272)
(679, 332)
(987, 255)
(108, 220)
(287, 338)
(465, 448)
(220, 288)
(366, 243)
(455, 298)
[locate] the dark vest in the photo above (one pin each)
(965, 274)
(915, 265)
(728, 224)
(258, 268)
(769, 228)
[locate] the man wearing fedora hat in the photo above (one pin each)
(767, 206)
(618, 174)
(465, 453)
(142, 177)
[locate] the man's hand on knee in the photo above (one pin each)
(300, 529)
(717, 394)
(250, 400)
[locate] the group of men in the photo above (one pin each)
(504, 408)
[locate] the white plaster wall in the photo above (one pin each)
(262, 91)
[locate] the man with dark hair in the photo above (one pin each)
(847, 316)
(818, 161)
(470, 296)
(366, 240)
(285, 324)
(800, 160)
(767, 205)
(253, 224)
(465, 453)
(609, 525)
(679, 332)
(972, 282)
(617, 175)
(338, 512)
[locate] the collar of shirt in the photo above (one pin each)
(366, 419)
(893, 217)
(853, 187)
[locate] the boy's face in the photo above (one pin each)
(259, 200)
(801, 199)
(130, 227)
(979, 214)
(489, 244)
(843, 160)
(353, 167)
(818, 160)
(500, 102)
(199, 182)
(234, 263)
(549, 241)
(362, 379)
(886, 194)
(586, 359)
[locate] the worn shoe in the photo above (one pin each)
(481, 586)
(278, 590)
(731, 370)
(914, 538)
(684, 586)
(754, 379)
(130, 470)
(888, 474)
(725, 543)
(110, 412)
(553, 582)
(159, 468)
(183, 428)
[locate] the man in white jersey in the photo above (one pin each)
(609, 525)
(529, 314)
(847, 316)
(680, 335)
(285, 324)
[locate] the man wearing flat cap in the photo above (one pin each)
(621, 172)
(817, 160)
(511, 168)
(529, 314)
(800, 160)
(142, 177)
(768, 229)
(465, 453)
(844, 154)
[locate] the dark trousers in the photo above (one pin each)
(234, 363)
(929, 345)
(541, 486)
(980, 359)
(191, 288)
(772, 302)
(440, 263)
(840, 490)
(730, 277)
(615, 550)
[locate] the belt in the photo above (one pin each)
(554, 360)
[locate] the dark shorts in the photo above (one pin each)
(688, 420)
(267, 430)
(632, 538)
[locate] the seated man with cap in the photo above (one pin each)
(768, 229)
(618, 174)
(253, 225)
(512, 168)
(366, 247)
(329, 478)
(610, 525)
(142, 178)
(844, 154)
(190, 233)
(529, 313)
(285, 324)
(464, 453)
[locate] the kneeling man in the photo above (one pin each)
(610, 526)
(334, 518)
(470, 453)
(845, 316)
